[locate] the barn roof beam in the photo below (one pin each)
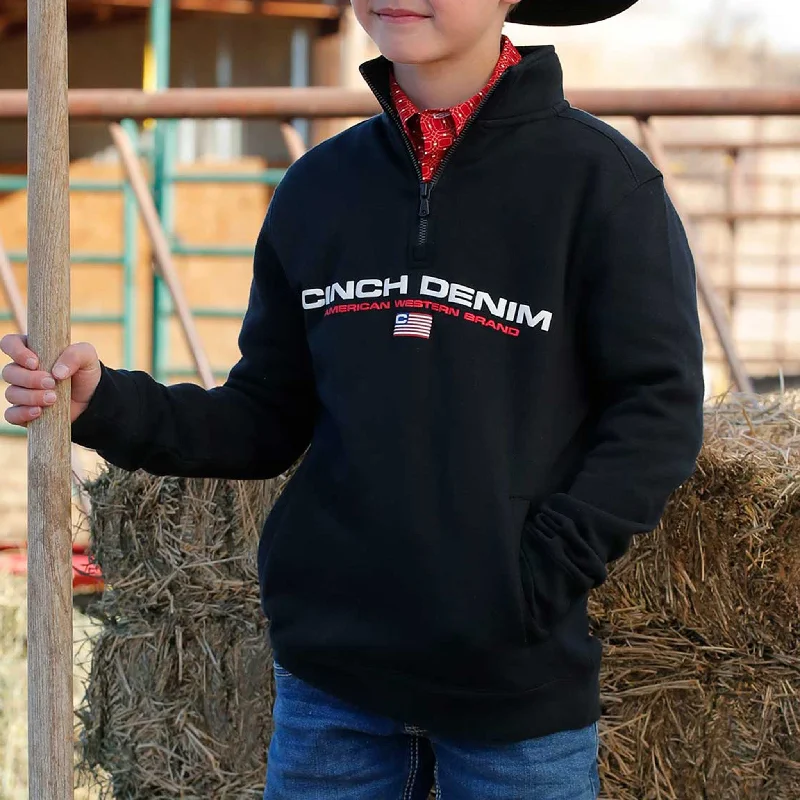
(311, 9)
(13, 12)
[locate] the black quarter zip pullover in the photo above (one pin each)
(498, 377)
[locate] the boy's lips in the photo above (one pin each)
(399, 15)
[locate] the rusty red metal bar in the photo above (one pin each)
(744, 216)
(276, 102)
(705, 145)
(334, 102)
(744, 288)
(86, 575)
(745, 178)
(774, 361)
(748, 258)
(644, 103)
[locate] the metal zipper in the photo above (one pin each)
(392, 114)
(426, 187)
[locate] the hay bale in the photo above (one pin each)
(701, 625)
(701, 676)
(180, 692)
(13, 674)
(14, 686)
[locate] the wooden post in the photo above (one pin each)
(50, 715)
(708, 294)
(784, 265)
(733, 204)
(293, 140)
(14, 296)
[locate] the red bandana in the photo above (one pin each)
(433, 132)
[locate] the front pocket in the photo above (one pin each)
(526, 581)
(520, 508)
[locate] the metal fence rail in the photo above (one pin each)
(166, 105)
(322, 102)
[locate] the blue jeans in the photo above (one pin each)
(326, 749)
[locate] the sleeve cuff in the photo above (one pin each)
(99, 423)
(558, 568)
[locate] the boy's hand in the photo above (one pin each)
(31, 389)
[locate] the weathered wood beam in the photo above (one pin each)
(50, 715)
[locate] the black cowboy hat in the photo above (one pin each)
(567, 12)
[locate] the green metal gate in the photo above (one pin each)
(161, 155)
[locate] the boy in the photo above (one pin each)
(488, 336)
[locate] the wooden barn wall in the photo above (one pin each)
(111, 56)
(204, 214)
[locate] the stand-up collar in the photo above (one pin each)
(534, 85)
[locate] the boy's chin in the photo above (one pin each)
(416, 55)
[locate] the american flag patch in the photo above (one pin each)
(418, 325)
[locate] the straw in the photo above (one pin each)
(701, 675)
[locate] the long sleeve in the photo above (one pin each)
(640, 333)
(254, 426)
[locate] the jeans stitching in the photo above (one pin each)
(438, 793)
(412, 771)
(594, 779)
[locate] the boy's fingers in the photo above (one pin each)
(21, 415)
(15, 346)
(74, 358)
(18, 396)
(20, 376)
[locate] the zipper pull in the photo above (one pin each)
(424, 199)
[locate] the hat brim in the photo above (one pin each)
(557, 13)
